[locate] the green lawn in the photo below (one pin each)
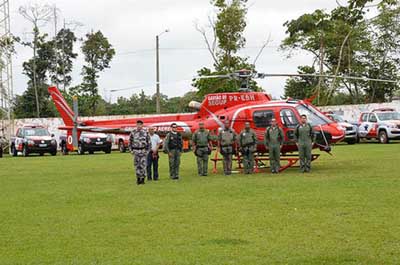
(88, 210)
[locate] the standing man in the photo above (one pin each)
(202, 148)
(248, 145)
(2, 142)
(152, 157)
(139, 145)
(273, 141)
(304, 140)
(226, 142)
(173, 147)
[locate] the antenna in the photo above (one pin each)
(6, 84)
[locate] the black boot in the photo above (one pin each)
(141, 180)
(138, 181)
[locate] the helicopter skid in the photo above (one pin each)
(290, 159)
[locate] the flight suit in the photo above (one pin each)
(273, 139)
(201, 139)
(173, 144)
(139, 145)
(248, 144)
(304, 136)
(226, 140)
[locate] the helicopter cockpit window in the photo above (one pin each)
(262, 118)
(288, 118)
(313, 116)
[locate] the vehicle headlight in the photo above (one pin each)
(31, 142)
(53, 142)
(340, 127)
(86, 140)
(393, 126)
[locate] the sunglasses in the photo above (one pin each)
(174, 127)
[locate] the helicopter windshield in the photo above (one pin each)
(313, 116)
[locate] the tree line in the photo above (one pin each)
(345, 41)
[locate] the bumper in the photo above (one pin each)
(38, 150)
(351, 135)
(95, 147)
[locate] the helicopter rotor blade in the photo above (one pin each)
(262, 75)
(212, 76)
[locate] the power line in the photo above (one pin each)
(141, 51)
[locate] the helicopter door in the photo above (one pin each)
(289, 121)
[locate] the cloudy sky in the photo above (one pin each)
(131, 27)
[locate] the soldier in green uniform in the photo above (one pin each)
(226, 141)
(202, 146)
(173, 147)
(304, 140)
(248, 145)
(273, 140)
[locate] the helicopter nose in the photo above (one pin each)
(338, 132)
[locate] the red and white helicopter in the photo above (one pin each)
(238, 107)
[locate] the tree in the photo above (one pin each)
(38, 15)
(227, 40)
(383, 59)
(36, 69)
(98, 53)
(301, 87)
(61, 68)
(344, 43)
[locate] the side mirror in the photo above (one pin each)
(52, 135)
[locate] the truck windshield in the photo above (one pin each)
(386, 116)
(36, 132)
(337, 118)
(314, 117)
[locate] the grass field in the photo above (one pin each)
(88, 210)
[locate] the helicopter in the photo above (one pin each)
(258, 108)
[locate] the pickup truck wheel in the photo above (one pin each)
(351, 141)
(41, 154)
(383, 138)
(14, 151)
(91, 152)
(107, 151)
(80, 150)
(25, 151)
(121, 147)
(54, 153)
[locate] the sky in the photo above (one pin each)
(131, 27)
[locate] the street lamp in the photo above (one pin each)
(158, 72)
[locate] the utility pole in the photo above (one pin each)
(55, 41)
(158, 110)
(157, 77)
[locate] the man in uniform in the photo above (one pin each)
(173, 147)
(304, 140)
(2, 142)
(273, 140)
(226, 140)
(248, 145)
(139, 145)
(202, 146)
(152, 157)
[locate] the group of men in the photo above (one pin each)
(144, 146)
